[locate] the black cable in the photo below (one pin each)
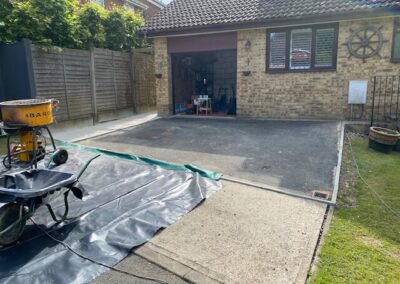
(94, 261)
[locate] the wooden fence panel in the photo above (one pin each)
(76, 65)
(145, 81)
(104, 74)
(86, 88)
(49, 78)
(122, 74)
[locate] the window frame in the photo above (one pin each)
(103, 4)
(396, 21)
(314, 29)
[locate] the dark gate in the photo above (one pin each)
(386, 99)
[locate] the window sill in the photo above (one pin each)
(302, 71)
(395, 60)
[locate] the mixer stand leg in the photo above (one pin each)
(8, 152)
(51, 137)
(34, 159)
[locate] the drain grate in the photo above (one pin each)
(321, 194)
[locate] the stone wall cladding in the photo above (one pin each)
(308, 95)
(162, 65)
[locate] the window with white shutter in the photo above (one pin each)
(324, 47)
(301, 49)
(277, 56)
(396, 41)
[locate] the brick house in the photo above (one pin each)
(273, 58)
(148, 8)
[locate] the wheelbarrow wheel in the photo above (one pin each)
(60, 157)
(11, 223)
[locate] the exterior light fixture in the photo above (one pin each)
(247, 70)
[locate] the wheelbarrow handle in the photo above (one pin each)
(85, 166)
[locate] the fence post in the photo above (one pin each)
(132, 79)
(31, 72)
(65, 85)
(93, 85)
(373, 102)
(114, 80)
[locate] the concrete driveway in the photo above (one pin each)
(242, 234)
(292, 155)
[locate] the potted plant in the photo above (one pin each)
(383, 139)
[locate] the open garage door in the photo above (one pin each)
(204, 74)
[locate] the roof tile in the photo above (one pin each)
(186, 14)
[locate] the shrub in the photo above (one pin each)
(121, 28)
(45, 22)
(6, 8)
(61, 23)
(91, 29)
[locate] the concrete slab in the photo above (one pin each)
(293, 155)
(241, 235)
(73, 133)
(140, 266)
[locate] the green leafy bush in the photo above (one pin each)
(63, 23)
(46, 22)
(91, 25)
(121, 28)
(6, 8)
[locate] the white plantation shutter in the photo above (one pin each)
(300, 49)
(297, 49)
(277, 58)
(324, 47)
(396, 41)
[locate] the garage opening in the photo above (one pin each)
(204, 83)
(204, 71)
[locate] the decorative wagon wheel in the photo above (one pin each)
(365, 42)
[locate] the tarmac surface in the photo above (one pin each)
(298, 156)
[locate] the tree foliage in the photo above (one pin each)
(121, 28)
(63, 23)
(91, 25)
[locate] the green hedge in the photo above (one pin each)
(64, 23)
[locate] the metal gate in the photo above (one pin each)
(386, 99)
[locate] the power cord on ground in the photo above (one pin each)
(395, 213)
(94, 261)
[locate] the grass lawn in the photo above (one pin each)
(363, 242)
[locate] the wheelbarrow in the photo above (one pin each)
(23, 192)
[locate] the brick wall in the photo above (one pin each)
(152, 10)
(162, 65)
(316, 95)
(308, 95)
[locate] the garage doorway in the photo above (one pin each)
(204, 83)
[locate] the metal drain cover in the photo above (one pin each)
(321, 194)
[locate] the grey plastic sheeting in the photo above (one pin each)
(127, 203)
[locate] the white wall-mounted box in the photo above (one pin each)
(358, 90)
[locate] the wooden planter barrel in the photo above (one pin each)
(383, 139)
